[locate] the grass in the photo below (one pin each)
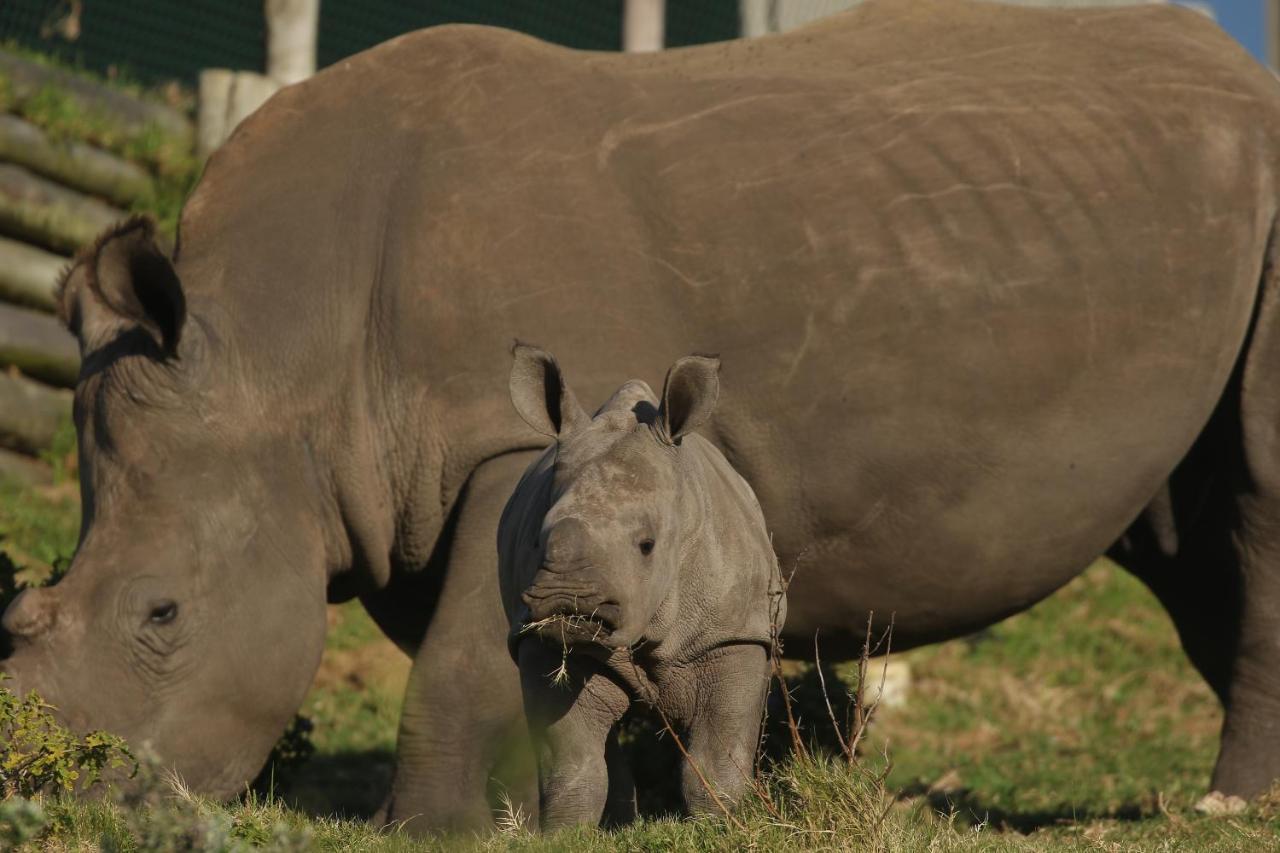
(1077, 725)
(171, 160)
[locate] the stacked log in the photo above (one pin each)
(39, 346)
(134, 115)
(56, 195)
(28, 274)
(30, 413)
(49, 214)
(70, 162)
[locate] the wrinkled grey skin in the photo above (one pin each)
(651, 558)
(995, 290)
(151, 634)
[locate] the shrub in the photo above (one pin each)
(21, 820)
(39, 755)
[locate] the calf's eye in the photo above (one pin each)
(646, 547)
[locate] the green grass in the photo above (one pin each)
(171, 160)
(1077, 725)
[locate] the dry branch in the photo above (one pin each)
(38, 209)
(30, 413)
(75, 164)
(29, 276)
(39, 346)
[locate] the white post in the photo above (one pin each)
(291, 39)
(755, 15)
(1273, 34)
(211, 115)
(643, 25)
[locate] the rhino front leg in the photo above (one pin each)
(724, 729)
(571, 724)
(463, 720)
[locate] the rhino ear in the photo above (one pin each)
(540, 394)
(123, 282)
(688, 396)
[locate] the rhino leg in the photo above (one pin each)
(572, 724)
(1209, 547)
(724, 728)
(463, 721)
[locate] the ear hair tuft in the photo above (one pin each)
(87, 257)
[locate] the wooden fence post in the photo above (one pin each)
(291, 39)
(644, 25)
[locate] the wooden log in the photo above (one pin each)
(211, 115)
(39, 346)
(292, 26)
(47, 213)
(74, 164)
(28, 276)
(226, 99)
(643, 25)
(30, 413)
(249, 91)
(135, 116)
(24, 469)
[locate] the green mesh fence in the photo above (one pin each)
(153, 41)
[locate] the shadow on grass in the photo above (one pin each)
(344, 784)
(971, 809)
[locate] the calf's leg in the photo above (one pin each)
(724, 728)
(571, 724)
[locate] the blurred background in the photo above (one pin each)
(156, 41)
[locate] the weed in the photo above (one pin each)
(38, 754)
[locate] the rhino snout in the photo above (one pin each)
(571, 609)
(31, 614)
(585, 605)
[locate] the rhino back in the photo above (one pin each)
(978, 275)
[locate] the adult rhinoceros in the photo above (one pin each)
(993, 289)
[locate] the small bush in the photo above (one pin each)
(162, 815)
(21, 820)
(39, 755)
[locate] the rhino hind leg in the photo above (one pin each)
(463, 740)
(1208, 545)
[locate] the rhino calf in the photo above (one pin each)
(635, 565)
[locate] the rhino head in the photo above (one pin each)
(191, 619)
(618, 507)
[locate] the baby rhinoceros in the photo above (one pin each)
(635, 566)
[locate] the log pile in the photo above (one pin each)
(56, 195)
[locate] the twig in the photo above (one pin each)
(775, 654)
(822, 679)
(863, 711)
(706, 785)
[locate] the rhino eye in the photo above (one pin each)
(646, 547)
(163, 613)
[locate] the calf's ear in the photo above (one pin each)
(688, 396)
(123, 282)
(540, 395)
